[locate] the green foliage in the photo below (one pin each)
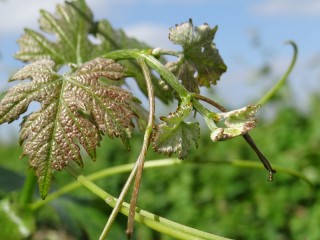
(199, 57)
(15, 223)
(176, 135)
(234, 123)
(233, 202)
(77, 108)
(72, 25)
(49, 135)
(70, 29)
(82, 105)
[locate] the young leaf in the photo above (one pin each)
(175, 135)
(75, 109)
(112, 39)
(71, 26)
(200, 63)
(234, 123)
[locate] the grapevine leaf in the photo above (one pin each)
(70, 25)
(76, 109)
(200, 63)
(234, 123)
(112, 39)
(73, 25)
(175, 135)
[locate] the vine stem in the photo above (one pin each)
(150, 220)
(28, 188)
(146, 142)
(150, 164)
(136, 172)
(164, 72)
(118, 204)
(102, 174)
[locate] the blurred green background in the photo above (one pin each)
(234, 202)
(230, 201)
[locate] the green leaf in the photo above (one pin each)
(2, 95)
(114, 39)
(75, 109)
(200, 63)
(175, 135)
(70, 26)
(15, 223)
(234, 123)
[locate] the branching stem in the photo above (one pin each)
(153, 221)
(164, 72)
(146, 141)
(136, 172)
(152, 164)
(118, 204)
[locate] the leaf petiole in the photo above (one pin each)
(163, 71)
(28, 187)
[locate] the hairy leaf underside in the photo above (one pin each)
(76, 109)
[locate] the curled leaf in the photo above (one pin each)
(76, 109)
(234, 123)
(175, 135)
(200, 63)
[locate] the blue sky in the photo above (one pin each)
(251, 33)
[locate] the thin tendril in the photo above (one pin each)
(282, 80)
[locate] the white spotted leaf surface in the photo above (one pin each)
(200, 63)
(76, 110)
(175, 135)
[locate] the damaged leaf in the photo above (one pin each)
(175, 135)
(71, 27)
(234, 123)
(200, 63)
(76, 109)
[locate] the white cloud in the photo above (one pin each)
(287, 7)
(153, 34)
(17, 14)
